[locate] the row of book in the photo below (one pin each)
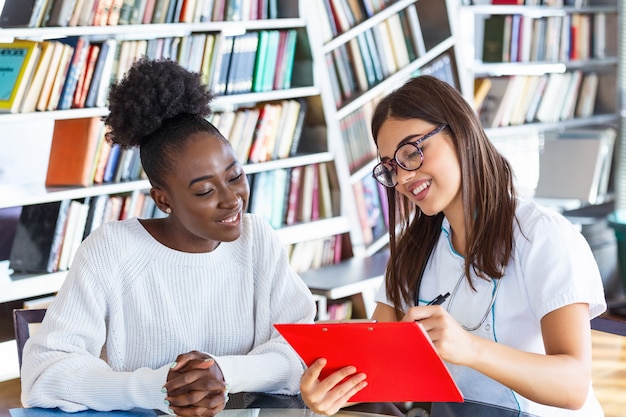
(522, 38)
(52, 13)
(48, 234)
(268, 131)
(549, 98)
(75, 72)
(315, 254)
(338, 16)
(357, 137)
(294, 195)
(374, 55)
(372, 207)
(55, 74)
(81, 156)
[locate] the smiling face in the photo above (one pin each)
(436, 186)
(207, 193)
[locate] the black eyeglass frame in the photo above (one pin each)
(394, 163)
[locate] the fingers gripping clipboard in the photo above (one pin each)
(398, 358)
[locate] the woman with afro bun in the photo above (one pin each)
(171, 313)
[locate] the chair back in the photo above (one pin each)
(25, 323)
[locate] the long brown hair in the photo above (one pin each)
(487, 190)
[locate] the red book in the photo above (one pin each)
(294, 195)
(80, 95)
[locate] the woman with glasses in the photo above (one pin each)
(504, 287)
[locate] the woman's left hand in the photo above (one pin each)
(195, 386)
(329, 395)
(453, 343)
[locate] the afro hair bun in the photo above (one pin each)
(151, 92)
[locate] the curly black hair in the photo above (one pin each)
(157, 106)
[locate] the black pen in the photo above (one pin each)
(439, 299)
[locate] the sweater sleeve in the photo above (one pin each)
(62, 365)
(280, 297)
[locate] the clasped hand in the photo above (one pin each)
(195, 386)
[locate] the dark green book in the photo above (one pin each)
(493, 39)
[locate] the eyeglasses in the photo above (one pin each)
(408, 156)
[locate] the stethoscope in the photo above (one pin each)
(453, 296)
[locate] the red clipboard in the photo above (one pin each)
(399, 359)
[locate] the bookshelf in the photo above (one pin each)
(28, 134)
(533, 71)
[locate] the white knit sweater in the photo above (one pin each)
(146, 304)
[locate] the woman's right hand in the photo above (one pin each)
(332, 393)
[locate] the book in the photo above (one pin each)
(126, 12)
(246, 139)
(586, 101)
(221, 67)
(61, 13)
(243, 60)
(269, 67)
(298, 129)
(576, 164)
(50, 76)
(103, 60)
(112, 162)
(293, 196)
(18, 61)
(260, 61)
(113, 17)
(493, 38)
(374, 53)
(159, 13)
(105, 79)
(101, 13)
(73, 151)
(492, 101)
(40, 12)
(393, 25)
(17, 13)
(288, 131)
(550, 106)
(76, 215)
(85, 78)
(282, 78)
(481, 89)
(29, 104)
(37, 234)
(77, 65)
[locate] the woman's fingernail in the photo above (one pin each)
(208, 360)
(166, 402)
(171, 411)
(173, 365)
(164, 390)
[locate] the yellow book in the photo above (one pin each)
(17, 65)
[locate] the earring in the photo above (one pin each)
(168, 210)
